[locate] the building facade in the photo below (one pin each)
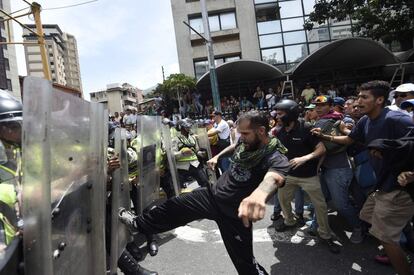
(9, 77)
(62, 56)
(118, 98)
(270, 31)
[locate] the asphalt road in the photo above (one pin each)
(198, 249)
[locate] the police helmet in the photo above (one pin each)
(11, 109)
(290, 107)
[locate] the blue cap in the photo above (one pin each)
(339, 101)
(407, 103)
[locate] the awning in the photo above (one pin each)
(345, 54)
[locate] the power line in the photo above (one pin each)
(70, 6)
(27, 2)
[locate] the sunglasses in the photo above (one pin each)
(400, 95)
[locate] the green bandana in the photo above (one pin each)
(249, 159)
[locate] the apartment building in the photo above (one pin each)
(62, 56)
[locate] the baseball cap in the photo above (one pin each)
(407, 103)
(310, 106)
(405, 88)
(339, 101)
(322, 99)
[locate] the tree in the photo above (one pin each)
(179, 83)
(385, 20)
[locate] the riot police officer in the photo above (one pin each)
(185, 150)
(10, 142)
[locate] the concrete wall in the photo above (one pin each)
(246, 21)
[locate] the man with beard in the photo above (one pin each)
(389, 208)
(258, 167)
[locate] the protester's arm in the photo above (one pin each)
(346, 140)
(253, 207)
(212, 132)
(318, 152)
(213, 161)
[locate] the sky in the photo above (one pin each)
(118, 41)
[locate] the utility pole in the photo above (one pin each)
(163, 75)
(41, 39)
(35, 10)
(210, 56)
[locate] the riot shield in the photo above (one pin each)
(149, 158)
(64, 159)
(204, 144)
(167, 137)
(120, 198)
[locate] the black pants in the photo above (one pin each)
(196, 173)
(200, 204)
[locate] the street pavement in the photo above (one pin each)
(197, 248)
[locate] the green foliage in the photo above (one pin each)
(176, 83)
(386, 20)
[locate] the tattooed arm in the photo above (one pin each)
(253, 207)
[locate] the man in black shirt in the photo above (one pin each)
(258, 167)
(304, 151)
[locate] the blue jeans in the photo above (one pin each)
(336, 183)
(299, 202)
(224, 164)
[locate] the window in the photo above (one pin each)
(6, 64)
(201, 67)
(269, 27)
(290, 8)
(294, 37)
(292, 24)
(9, 85)
(228, 21)
(217, 22)
(308, 6)
(270, 40)
(315, 46)
(267, 12)
(295, 53)
(273, 56)
(320, 34)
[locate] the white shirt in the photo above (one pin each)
(223, 129)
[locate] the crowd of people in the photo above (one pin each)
(350, 154)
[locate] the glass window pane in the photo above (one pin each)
(273, 56)
(320, 34)
(218, 61)
(214, 23)
(228, 21)
(267, 12)
(269, 27)
(340, 32)
(290, 8)
(294, 37)
(308, 6)
(316, 25)
(197, 24)
(292, 24)
(295, 53)
(270, 40)
(314, 46)
(231, 58)
(201, 67)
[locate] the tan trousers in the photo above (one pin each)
(312, 187)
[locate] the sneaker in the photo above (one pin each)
(300, 221)
(332, 246)
(127, 218)
(275, 217)
(281, 226)
(311, 231)
(357, 236)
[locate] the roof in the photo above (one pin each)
(345, 54)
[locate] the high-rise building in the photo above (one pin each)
(9, 77)
(62, 56)
(271, 31)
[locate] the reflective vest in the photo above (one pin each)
(185, 143)
(8, 200)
